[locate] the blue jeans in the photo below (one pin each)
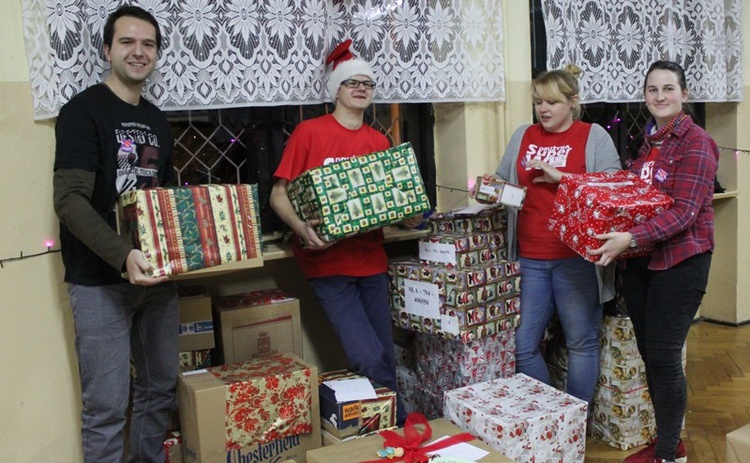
(359, 310)
(662, 306)
(569, 288)
(113, 323)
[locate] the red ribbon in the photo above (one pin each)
(412, 440)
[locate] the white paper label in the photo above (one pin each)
(421, 298)
(449, 324)
(437, 252)
(512, 195)
(487, 189)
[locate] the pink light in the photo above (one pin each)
(49, 243)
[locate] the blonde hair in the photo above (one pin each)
(559, 85)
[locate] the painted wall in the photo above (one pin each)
(38, 387)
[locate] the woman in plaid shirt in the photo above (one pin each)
(663, 291)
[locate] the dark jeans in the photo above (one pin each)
(662, 305)
(359, 310)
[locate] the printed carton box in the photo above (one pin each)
(261, 411)
(196, 330)
(257, 324)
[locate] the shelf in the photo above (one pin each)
(277, 250)
(725, 195)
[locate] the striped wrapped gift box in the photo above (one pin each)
(184, 229)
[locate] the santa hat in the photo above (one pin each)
(345, 65)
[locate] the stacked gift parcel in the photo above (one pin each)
(623, 415)
(603, 202)
(526, 420)
(461, 301)
(182, 229)
(361, 193)
(460, 288)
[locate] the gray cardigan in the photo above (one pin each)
(601, 156)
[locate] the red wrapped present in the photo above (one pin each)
(188, 228)
(590, 204)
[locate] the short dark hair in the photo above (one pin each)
(128, 10)
(664, 65)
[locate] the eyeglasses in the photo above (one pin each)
(354, 83)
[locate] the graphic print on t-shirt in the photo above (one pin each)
(137, 157)
(556, 156)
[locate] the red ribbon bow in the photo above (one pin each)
(412, 440)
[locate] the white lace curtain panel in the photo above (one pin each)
(614, 42)
(271, 52)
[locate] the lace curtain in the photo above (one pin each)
(270, 52)
(615, 42)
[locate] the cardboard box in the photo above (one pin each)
(187, 229)
(355, 417)
(525, 419)
(365, 449)
(257, 324)
(738, 445)
(361, 193)
(196, 321)
(590, 204)
(264, 410)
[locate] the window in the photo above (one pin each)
(244, 145)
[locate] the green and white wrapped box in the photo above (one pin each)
(361, 193)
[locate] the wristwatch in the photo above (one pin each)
(633, 244)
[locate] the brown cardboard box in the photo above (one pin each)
(206, 429)
(196, 322)
(738, 445)
(257, 324)
(365, 449)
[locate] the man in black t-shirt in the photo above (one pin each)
(110, 140)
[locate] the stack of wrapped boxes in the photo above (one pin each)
(461, 300)
(623, 415)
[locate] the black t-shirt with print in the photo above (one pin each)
(126, 146)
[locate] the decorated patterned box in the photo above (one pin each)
(361, 193)
(622, 413)
(526, 420)
(590, 204)
(444, 364)
(422, 301)
(492, 190)
(462, 221)
(461, 251)
(359, 417)
(173, 447)
(189, 228)
(236, 408)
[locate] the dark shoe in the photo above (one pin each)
(648, 454)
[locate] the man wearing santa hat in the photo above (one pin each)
(348, 275)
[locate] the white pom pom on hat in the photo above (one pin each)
(345, 65)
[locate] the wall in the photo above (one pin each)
(39, 398)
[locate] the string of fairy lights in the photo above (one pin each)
(49, 244)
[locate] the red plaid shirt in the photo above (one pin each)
(685, 170)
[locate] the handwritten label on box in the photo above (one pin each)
(438, 252)
(422, 299)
